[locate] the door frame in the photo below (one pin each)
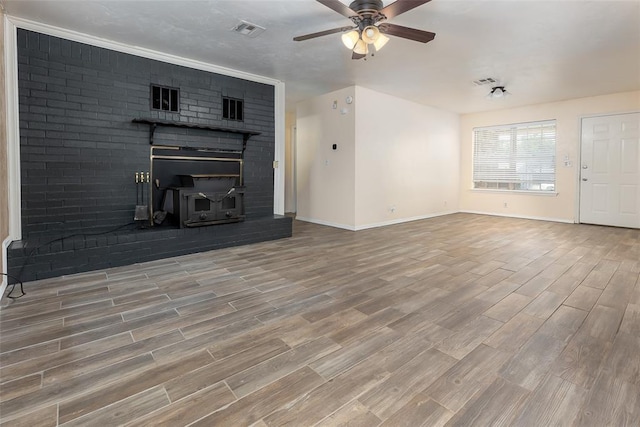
(579, 156)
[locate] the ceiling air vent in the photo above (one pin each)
(486, 81)
(248, 29)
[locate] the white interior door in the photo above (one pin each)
(610, 170)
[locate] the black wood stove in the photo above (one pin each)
(197, 186)
(204, 200)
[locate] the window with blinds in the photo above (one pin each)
(517, 157)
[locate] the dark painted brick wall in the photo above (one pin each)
(79, 153)
(79, 149)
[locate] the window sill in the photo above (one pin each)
(520, 192)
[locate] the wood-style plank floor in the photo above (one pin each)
(459, 320)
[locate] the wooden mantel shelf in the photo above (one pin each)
(153, 123)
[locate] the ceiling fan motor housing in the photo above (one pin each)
(368, 13)
(359, 5)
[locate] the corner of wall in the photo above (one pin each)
(11, 134)
(279, 149)
(407, 160)
(325, 175)
(4, 173)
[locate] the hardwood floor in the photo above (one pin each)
(458, 320)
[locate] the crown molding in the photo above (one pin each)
(136, 50)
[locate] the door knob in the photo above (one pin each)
(584, 179)
(585, 167)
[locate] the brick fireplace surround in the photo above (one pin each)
(79, 151)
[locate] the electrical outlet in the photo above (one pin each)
(506, 205)
(392, 209)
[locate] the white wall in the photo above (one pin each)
(391, 153)
(325, 178)
(568, 114)
(289, 159)
(407, 160)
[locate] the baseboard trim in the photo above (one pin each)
(403, 220)
(373, 225)
(327, 223)
(535, 218)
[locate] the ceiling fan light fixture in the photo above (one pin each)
(380, 42)
(361, 48)
(350, 39)
(370, 34)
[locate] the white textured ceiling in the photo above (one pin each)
(542, 51)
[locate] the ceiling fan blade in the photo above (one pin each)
(322, 33)
(339, 7)
(400, 6)
(406, 32)
(357, 55)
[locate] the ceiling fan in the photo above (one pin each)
(369, 17)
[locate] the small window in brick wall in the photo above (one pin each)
(164, 98)
(232, 109)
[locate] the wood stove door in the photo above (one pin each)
(199, 209)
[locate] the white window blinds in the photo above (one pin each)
(518, 157)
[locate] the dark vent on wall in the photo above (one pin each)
(165, 98)
(232, 109)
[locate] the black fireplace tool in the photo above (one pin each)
(142, 210)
